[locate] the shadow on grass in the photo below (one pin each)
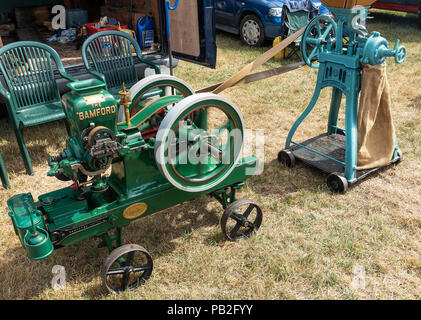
(416, 103)
(83, 260)
(300, 177)
(37, 140)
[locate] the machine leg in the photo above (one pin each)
(109, 239)
(226, 196)
(351, 136)
(302, 117)
(335, 105)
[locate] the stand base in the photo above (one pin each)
(332, 145)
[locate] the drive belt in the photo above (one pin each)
(244, 76)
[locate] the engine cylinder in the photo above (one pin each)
(89, 102)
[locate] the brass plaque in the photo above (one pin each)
(135, 210)
(94, 99)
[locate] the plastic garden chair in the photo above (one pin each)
(296, 14)
(29, 88)
(108, 55)
(3, 174)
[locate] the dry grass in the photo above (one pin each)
(310, 240)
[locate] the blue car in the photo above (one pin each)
(255, 20)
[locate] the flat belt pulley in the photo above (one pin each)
(153, 87)
(199, 142)
(100, 142)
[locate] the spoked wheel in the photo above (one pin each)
(126, 268)
(199, 142)
(319, 34)
(241, 219)
(155, 87)
(337, 183)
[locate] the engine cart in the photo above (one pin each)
(168, 146)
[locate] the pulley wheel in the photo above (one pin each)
(199, 142)
(318, 36)
(240, 219)
(98, 133)
(126, 268)
(154, 87)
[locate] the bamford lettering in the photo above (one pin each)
(97, 112)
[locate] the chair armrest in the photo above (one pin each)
(97, 75)
(154, 65)
(67, 76)
(4, 92)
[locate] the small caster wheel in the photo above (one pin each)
(287, 158)
(400, 156)
(240, 219)
(126, 268)
(337, 183)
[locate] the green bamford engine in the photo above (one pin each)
(159, 146)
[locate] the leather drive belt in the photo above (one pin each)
(244, 76)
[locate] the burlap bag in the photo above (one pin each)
(376, 133)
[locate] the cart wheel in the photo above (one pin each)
(287, 158)
(337, 183)
(127, 267)
(240, 219)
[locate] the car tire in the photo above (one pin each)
(252, 32)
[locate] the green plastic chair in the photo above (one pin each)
(294, 21)
(3, 174)
(30, 89)
(108, 56)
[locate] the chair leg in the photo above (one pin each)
(23, 150)
(3, 174)
(67, 127)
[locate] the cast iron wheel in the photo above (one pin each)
(337, 183)
(319, 35)
(236, 225)
(126, 268)
(287, 158)
(252, 31)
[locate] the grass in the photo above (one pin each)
(310, 241)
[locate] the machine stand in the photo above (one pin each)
(339, 64)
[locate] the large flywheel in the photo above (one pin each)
(155, 87)
(199, 142)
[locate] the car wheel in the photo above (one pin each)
(252, 31)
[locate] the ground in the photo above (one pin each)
(312, 244)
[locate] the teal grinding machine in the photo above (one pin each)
(339, 66)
